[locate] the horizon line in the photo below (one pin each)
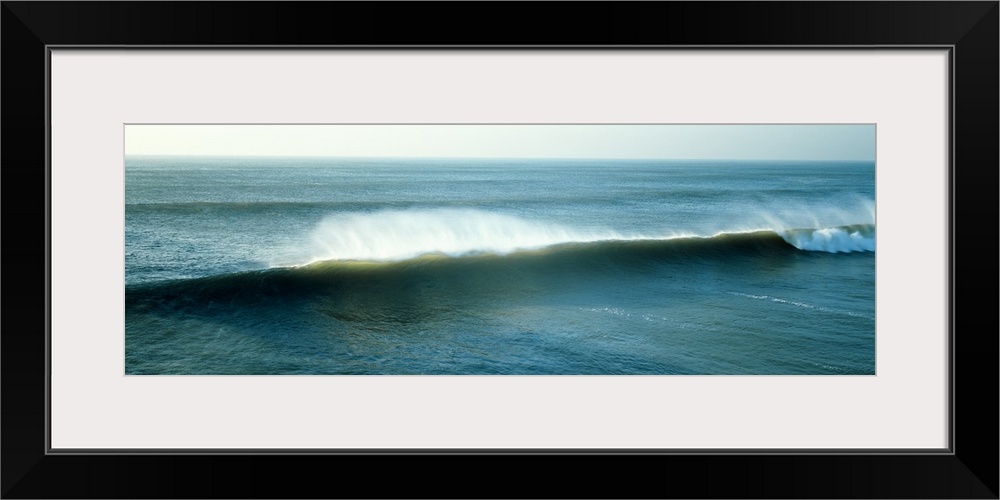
(322, 156)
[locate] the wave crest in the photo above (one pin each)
(393, 236)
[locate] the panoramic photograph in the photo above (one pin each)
(499, 249)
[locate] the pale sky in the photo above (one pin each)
(741, 142)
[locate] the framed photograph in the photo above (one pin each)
(723, 252)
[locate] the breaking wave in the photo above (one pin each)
(395, 236)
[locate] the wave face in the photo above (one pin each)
(393, 236)
(502, 263)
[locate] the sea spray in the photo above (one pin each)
(398, 235)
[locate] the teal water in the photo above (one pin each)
(464, 266)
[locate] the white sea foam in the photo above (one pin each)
(833, 239)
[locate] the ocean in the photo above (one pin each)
(458, 266)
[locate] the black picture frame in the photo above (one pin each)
(970, 29)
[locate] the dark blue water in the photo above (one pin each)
(462, 266)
